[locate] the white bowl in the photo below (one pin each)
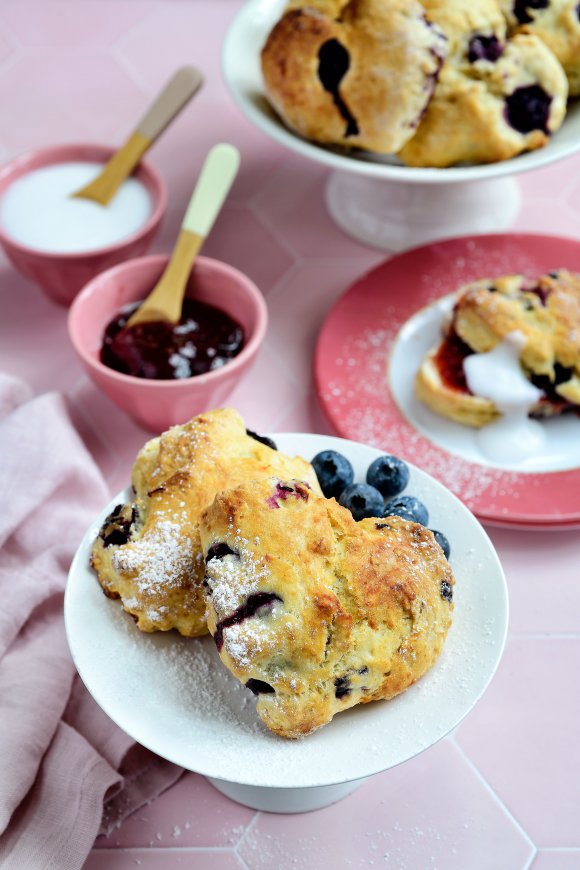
(173, 695)
(411, 205)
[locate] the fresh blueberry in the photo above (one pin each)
(362, 501)
(443, 542)
(389, 475)
(528, 108)
(409, 508)
(334, 472)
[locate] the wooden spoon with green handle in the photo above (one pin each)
(175, 95)
(215, 179)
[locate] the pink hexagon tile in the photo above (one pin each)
(301, 301)
(547, 182)
(267, 393)
(179, 153)
(431, 812)
(190, 35)
(528, 611)
(6, 49)
(523, 736)
(563, 220)
(67, 96)
(37, 24)
(162, 859)
(306, 416)
(242, 241)
(557, 859)
(192, 813)
(570, 193)
(292, 204)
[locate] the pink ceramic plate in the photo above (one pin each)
(352, 370)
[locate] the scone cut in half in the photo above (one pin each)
(545, 312)
(356, 73)
(315, 612)
(148, 551)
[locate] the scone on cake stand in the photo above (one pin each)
(377, 198)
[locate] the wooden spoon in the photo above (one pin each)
(215, 179)
(175, 95)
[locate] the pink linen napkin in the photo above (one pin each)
(66, 771)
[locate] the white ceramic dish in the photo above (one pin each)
(561, 450)
(374, 198)
(173, 695)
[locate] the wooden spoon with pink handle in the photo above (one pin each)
(175, 95)
(215, 179)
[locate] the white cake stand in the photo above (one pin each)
(378, 200)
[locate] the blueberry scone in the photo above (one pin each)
(555, 22)
(546, 313)
(148, 551)
(496, 96)
(315, 612)
(357, 73)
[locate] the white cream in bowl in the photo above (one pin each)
(38, 210)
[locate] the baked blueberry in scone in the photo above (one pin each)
(545, 312)
(356, 73)
(315, 612)
(555, 22)
(148, 552)
(497, 94)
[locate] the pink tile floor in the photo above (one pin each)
(503, 791)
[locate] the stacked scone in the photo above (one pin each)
(310, 610)
(436, 82)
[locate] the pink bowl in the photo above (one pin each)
(157, 405)
(61, 276)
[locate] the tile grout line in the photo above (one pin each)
(250, 827)
(494, 794)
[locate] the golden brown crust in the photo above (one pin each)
(466, 120)
(149, 553)
(546, 312)
(390, 59)
(325, 613)
(558, 25)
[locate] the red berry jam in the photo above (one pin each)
(449, 362)
(204, 339)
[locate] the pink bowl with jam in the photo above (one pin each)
(158, 404)
(63, 275)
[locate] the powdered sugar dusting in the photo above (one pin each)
(233, 578)
(160, 559)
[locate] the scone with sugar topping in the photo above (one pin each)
(315, 612)
(546, 313)
(148, 552)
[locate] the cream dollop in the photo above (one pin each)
(497, 375)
